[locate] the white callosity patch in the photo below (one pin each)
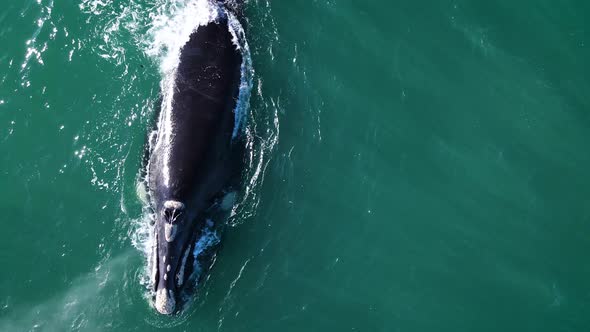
(180, 274)
(153, 263)
(170, 227)
(174, 205)
(165, 302)
(170, 232)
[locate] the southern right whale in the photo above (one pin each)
(194, 153)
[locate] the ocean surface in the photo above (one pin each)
(413, 166)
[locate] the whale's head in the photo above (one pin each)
(172, 261)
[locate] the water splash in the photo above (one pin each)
(247, 71)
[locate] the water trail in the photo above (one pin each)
(82, 307)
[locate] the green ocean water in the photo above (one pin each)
(415, 166)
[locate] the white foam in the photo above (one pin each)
(247, 72)
(209, 239)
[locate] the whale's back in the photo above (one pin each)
(201, 117)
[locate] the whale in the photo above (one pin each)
(194, 155)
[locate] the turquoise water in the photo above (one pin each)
(413, 167)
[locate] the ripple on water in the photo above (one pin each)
(35, 49)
